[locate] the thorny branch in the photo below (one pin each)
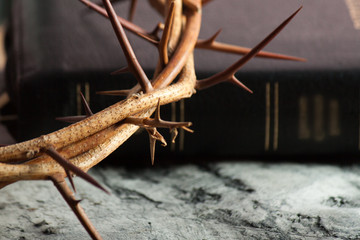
(91, 138)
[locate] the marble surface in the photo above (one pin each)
(227, 200)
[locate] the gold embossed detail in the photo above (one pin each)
(87, 92)
(319, 131)
(334, 118)
(304, 129)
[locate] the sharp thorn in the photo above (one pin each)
(235, 81)
(128, 51)
(114, 92)
(120, 71)
(152, 150)
(188, 129)
(234, 49)
(68, 166)
(228, 74)
(154, 136)
(70, 179)
(132, 10)
(212, 38)
(86, 106)
(148, 38)
(157, 136)
(152, 139)
(74, 119)
(262, 44)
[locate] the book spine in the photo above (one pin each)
(290, 113)
(294, 113)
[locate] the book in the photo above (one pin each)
(59, 48)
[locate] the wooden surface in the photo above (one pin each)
(229, 200)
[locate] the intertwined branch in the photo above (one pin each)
(73, 150)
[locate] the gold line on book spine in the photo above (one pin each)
(87, 92)
(319, 132)
(303, 127)
(334, 118)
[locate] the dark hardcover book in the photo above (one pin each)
(58, 48)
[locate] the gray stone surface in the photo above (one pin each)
(229, 200)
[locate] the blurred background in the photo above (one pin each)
(5, 137)
(307, 111)
(58, 48)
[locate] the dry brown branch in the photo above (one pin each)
(74, 204)
(77, 148)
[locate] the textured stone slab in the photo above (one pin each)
(232, 200)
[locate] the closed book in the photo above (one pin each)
(58, 48)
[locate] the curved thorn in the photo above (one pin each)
(174, 133)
